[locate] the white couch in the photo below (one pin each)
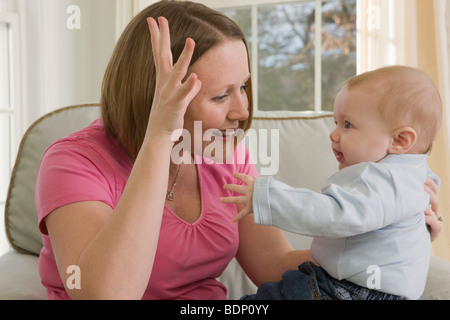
(305, 160)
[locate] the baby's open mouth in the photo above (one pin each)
(339, 155)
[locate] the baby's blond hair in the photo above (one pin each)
(408, 97)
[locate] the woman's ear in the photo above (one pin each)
(403, 140)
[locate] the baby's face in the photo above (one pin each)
(360, 134)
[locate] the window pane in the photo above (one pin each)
(338, 47)
(5, 158)
(286, 56)
(286, 49)
(5, 97)
(243, 17)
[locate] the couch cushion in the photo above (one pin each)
(303, 136)
(438, 280)
(303, 161)
(19, 277)
(20, 212)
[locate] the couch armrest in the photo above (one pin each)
(438, 281)
(19, 277)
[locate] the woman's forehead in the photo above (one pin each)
(223, 65)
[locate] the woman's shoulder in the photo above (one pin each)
(92, 135)
(83, 166)
(92, 141)
(89, 156)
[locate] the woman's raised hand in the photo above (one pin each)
(172, 95)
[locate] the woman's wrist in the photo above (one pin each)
(158, 138)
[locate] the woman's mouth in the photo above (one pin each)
(225, 135)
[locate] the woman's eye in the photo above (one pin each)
(220, 98)
(348, 125)
(223, 97)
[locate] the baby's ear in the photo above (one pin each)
(403, 140)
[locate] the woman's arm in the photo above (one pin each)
(115, 249)
(265, 253)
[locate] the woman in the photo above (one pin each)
(111, 201)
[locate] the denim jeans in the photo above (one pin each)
(311, 282)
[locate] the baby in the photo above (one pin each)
(368, 224)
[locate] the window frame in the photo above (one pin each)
(253, 4)
(14, 109)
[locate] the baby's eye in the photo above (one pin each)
(348, 125)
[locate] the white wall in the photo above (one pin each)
(65, 66)
(59, 66)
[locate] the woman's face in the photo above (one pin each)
(213, 115)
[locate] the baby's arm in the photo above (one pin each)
(354, 202)
(244, 202)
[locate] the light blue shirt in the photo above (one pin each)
(368, 214)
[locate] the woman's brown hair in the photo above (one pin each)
(129, 81)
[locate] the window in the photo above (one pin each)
(8, 107)
(291, 70)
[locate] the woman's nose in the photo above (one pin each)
(239, 109)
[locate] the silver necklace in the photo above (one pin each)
(171, 193)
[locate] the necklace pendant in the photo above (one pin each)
(170, 196)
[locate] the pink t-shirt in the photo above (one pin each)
(90, 165)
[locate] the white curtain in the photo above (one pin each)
(8, 5)
(442, 25)
(441, 159)
(62, 65)
(381, 36)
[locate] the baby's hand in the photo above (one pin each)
(244, 202)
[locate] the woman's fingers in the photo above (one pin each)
(182, 65)
(160, 38)
(174, 91)
(155, 35)
(190, 88)
(192, 85)
(432, 189)
(433, 224)
(165, 52)
(162, 54)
